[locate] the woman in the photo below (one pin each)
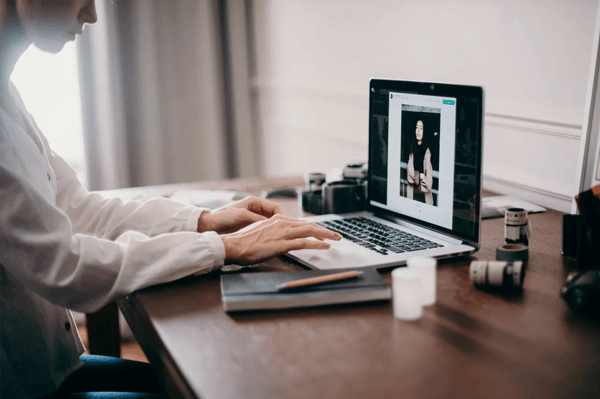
(419, 170)
(63, 248)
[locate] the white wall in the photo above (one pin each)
(315, 57)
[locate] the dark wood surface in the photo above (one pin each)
(471, 343)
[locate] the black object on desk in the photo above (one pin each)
(571, 226)
(582, 291)
(254, 291)
(285, 192)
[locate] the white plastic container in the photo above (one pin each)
(427, 267)
(406, 291)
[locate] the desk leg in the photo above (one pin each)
(104, 337)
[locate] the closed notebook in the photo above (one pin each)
(254, 291)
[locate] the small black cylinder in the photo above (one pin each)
(570, 235)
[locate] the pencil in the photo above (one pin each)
(319, 280)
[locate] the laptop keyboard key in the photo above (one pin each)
(395, 250)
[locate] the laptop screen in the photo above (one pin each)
(425, 154)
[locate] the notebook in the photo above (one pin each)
(255, 291)
(424, 179)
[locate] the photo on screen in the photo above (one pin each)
(420, 153)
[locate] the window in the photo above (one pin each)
(49, 86)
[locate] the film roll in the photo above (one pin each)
(516, 229)
(512, 252)
(515, 217)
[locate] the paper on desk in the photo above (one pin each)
(494, 207)
(204, 198)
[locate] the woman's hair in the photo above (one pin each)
(413, 139)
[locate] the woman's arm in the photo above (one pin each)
(427, 182)
(80, 271)
(91, 213)
(410, 169)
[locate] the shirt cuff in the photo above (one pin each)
(191, 224)
(216, 244)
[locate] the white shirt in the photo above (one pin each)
(62, 248)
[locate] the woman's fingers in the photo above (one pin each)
(293, 228)
(261, 206)
(251, 217)
(313, 230)
(261, 224)
(281, 221)
(227, 220)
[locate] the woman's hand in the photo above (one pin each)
(423, 186)
(237, 215)
(272, 237)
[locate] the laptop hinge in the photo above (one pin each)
(470, 244)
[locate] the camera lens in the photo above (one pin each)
(432, 87)
(497, 273)
(314, 181)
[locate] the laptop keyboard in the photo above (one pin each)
(377, 236)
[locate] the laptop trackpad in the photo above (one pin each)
(341, 254)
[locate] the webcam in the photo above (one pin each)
(432, 87)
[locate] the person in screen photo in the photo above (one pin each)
(419, 170)
(420, 153)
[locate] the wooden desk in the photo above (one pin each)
(470, 344)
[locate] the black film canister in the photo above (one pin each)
(570, 234)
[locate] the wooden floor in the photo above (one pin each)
(129, 348)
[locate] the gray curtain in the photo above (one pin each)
(165, 94)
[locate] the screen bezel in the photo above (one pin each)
(442, 90)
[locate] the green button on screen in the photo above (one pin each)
(449, 102)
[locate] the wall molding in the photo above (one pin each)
(566, 130)
(321, 134)
(563, 127)
(342, 96)
(549, 199)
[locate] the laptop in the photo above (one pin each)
(424, 179)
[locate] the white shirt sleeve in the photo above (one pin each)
(77, 249)
(90, 213)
